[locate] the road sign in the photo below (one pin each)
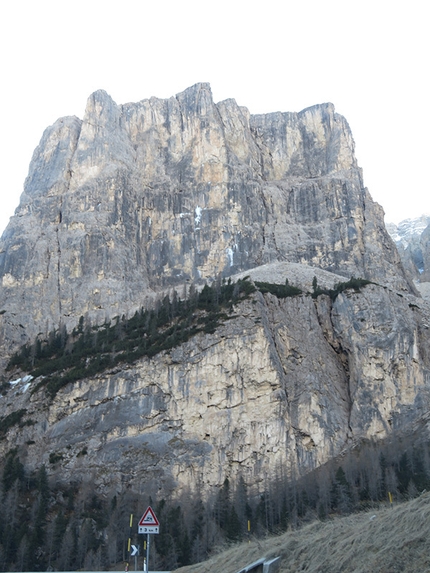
(148, 522)
(149, 529)
(134, 550)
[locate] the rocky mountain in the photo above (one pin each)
(160, 197)
(410, 238)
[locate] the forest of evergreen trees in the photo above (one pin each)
(51, 526)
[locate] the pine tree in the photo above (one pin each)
(341, 492)
(23, 554)
(38, 535)
(13, 470)
(184, 550)
(66, 560)
(314, 284)
(11, 517)
(59, 530)
(244, 511)
(222, 505)
(233, 529)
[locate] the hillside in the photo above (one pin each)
(384, 540)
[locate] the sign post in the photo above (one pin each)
(148, 524)
(134, 553)
(129, 542)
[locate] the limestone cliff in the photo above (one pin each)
(139, 198)
(278, 390)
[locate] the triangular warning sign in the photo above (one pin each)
(149, 518)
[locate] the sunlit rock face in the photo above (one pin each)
(279, 389)
(137, 199)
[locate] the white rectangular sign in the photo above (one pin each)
(148, 529)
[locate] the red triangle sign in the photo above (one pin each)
(149, 518)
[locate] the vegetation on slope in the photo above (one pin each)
(65, 357)
(11, 420)
(385, 540)
(72, 527)
(89, 350)
(354, 283)
(279, 290)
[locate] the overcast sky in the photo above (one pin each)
(369, 58)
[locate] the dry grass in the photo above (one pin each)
(396, 540)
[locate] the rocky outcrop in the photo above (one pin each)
(138, 199)
(278, 390)
(144, 196)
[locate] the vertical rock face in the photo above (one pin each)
(143, 196)
(139, 198)
(279, 389)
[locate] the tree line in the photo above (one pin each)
(90, 349)
(67, 357)
(48, 525)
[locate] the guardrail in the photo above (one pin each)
(263, 565)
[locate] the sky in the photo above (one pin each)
(369, 58)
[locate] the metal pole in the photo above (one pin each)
(147, 555)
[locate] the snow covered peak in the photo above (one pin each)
(408, 229)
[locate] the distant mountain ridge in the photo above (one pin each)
(407, 228)
(411, 237)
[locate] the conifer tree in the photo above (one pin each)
(13, 470)
(222, 505)
(341, 492)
